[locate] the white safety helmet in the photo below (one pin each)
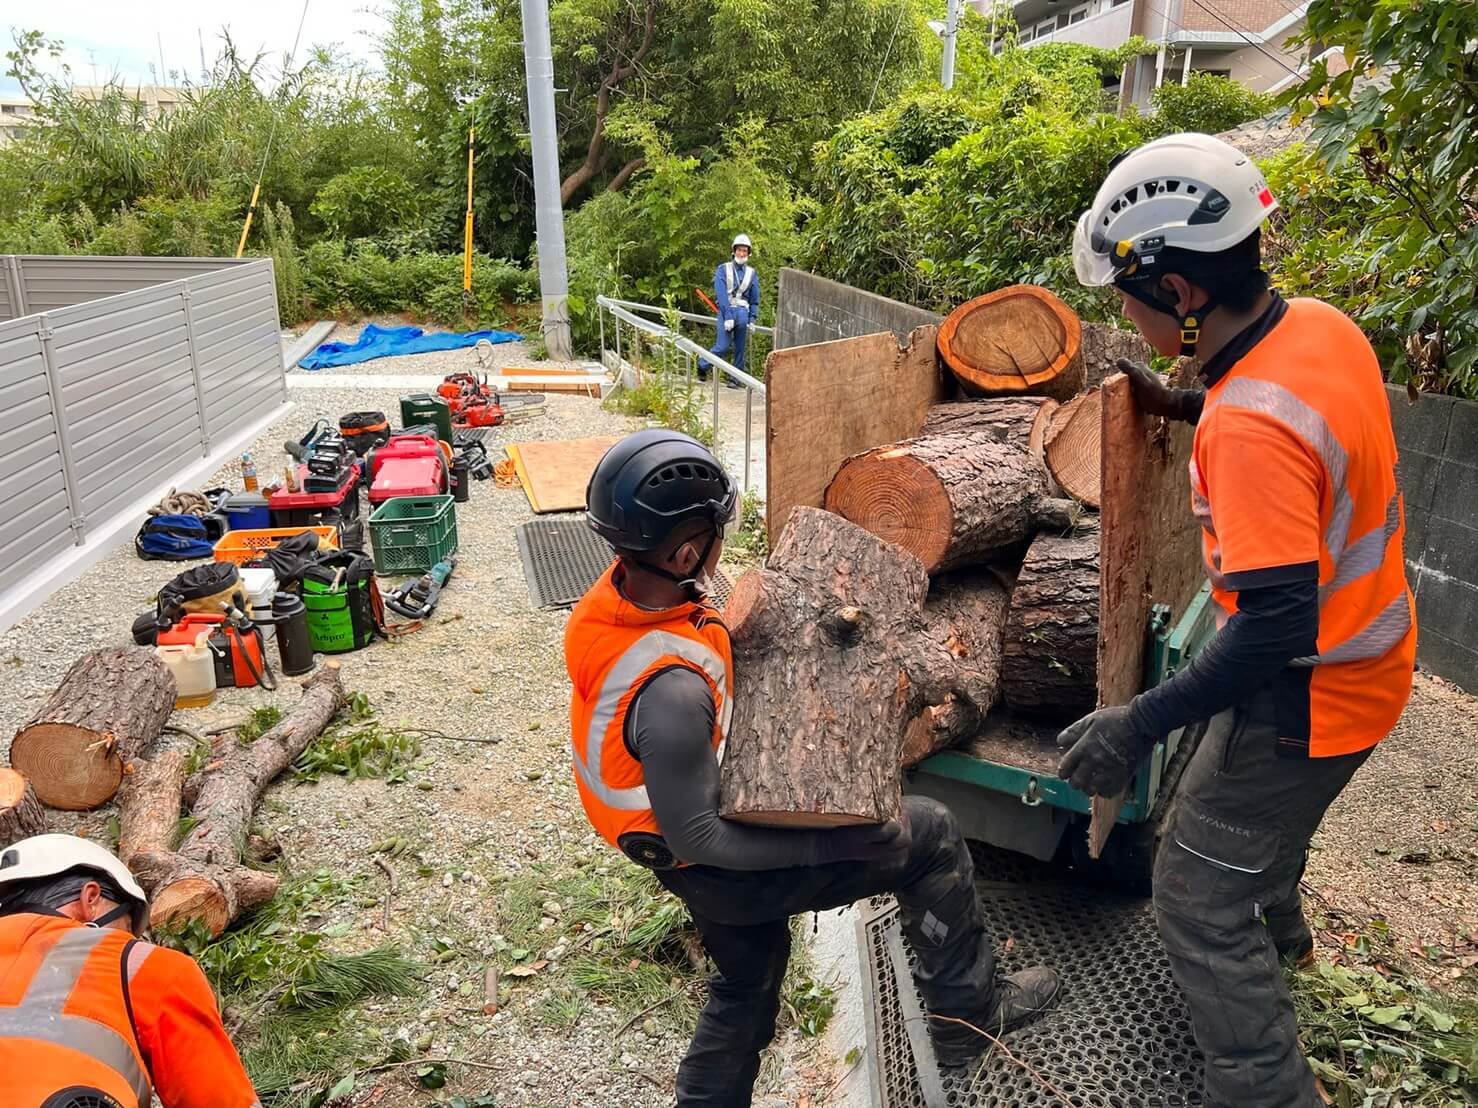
(741, 240)
(43, 856)
(1188, 204)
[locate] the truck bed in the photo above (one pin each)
(1012, 740)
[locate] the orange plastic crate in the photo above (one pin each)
(247, 545)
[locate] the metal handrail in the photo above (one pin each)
(624, 311)
(691, 317)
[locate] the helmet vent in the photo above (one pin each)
(1190, 190)
(9, 858)
(685, 471)
(1172, 186)
(1131, 196)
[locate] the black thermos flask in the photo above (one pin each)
(294, 647)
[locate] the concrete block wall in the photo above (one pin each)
(1437, 438)
(814, 309)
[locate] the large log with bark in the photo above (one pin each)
(1021, 421)
(834, 660)
(149, 807)
(965, 613)
(1049, 666)
(1014, 341)
(108, 707)
(21, 815)
(951, 500)
(204, 879)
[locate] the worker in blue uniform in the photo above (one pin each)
(736, 290)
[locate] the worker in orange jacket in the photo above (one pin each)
(1293, 481)
(90, 1015)
(653, 680)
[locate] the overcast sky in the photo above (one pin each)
(124, 36)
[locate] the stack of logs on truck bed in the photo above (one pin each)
(948, 572)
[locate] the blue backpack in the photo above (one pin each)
(173, 539)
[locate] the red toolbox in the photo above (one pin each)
(408, 465)
(309, 509)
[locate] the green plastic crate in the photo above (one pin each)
(410, 534)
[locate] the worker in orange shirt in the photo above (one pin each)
(90, 1015)
(1293, 481)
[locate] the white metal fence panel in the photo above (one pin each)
(237, 342)
(48, 282)
(35, 515)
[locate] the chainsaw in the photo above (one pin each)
(417, 599)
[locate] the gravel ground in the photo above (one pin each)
(489, 666)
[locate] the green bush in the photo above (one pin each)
(365, 200)
(1206, 103)
(339, 278)
(277, 230)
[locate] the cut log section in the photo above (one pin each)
(1050, 664)
(205, 879)
(1103, 345)
(1017, 340)
(834, 659)
(1021, 421)
(966, 615)
(109, 706)
(950, 500)
(1072, 447)
(21, 815)
(149, 807)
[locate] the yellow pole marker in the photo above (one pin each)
(250, 211)
(467, 232)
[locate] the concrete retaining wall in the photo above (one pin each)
(813, 309)
(1438, 441)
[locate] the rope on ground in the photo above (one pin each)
(505, 474)
(187, 503)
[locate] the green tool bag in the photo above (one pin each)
(343, 602)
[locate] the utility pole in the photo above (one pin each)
(951, 30)
(549, 225)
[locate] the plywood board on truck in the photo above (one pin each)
(830, 400)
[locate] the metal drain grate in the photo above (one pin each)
(562, 558)
(1121, 1037)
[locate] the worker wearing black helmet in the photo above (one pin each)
(652, 672)
(1293, 483)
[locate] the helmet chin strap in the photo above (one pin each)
(1190, 323)
(693, 588)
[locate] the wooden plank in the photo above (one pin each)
(830, 400)
(539, 371)
(555, 473)
(589, 384)
(1149, 552)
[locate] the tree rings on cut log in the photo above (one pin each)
(1072, 447)
(21, 815)
(110, 705)
(1017, 340)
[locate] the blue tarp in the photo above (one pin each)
(388, 342)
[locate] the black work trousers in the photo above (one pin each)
(744, 920)
(1227, 901)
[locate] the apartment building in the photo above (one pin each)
(1245, 40)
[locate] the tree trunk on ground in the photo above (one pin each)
(110, 705)
(1021, 421)
(204, 879)
(966, 614)
(1050, 663)
(834, 658)
(1072, 447)
(149, 807)
(21, 815)
(950, 500)
(1017, 340)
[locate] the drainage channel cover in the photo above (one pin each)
(562, 558)
(1121, 1036)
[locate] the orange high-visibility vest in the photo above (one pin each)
(612, 649)
(1295, 463)
(64, 1018)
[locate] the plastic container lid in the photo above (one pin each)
(244, 501)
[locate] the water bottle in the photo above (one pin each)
(248, 473)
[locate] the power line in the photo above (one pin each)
(902, 11)
(256, 191)
(1244, 35)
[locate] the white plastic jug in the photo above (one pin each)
(194, 672)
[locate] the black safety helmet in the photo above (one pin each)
(652, 482)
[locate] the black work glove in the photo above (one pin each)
(872, 842)
(1157, 398)
(1105, 749)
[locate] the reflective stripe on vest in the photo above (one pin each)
(41, 1012)
(1352, 560)
(640, 656)
(742, 288)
